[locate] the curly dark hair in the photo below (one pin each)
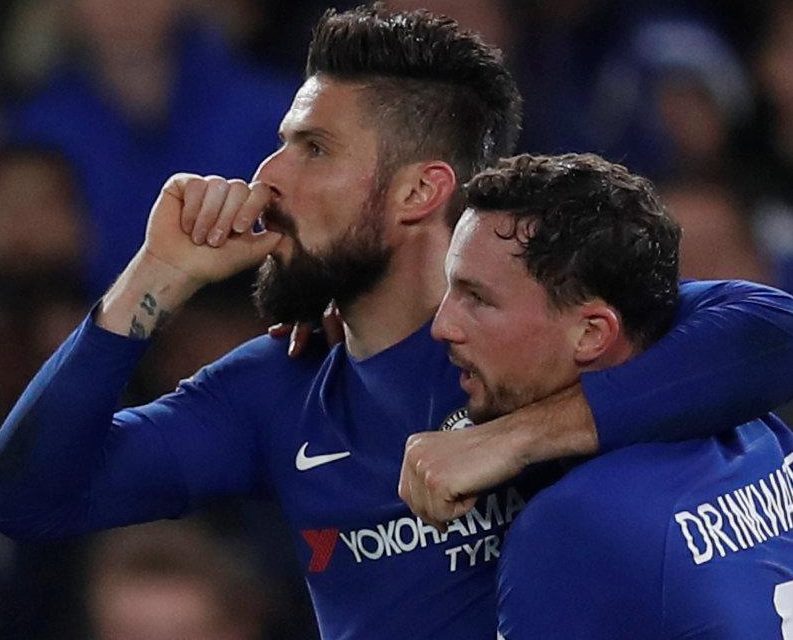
(435, 91)
(589, 228)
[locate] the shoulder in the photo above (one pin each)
(619, 501)
(624, 478)
(264, 360)
(593, 541)
(696, 294)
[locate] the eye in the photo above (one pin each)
(314, 149)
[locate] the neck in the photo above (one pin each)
(404, 300)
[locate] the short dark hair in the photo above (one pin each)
(436, 91)
(589, 228)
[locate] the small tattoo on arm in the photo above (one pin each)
(136, 329)
(148, 304)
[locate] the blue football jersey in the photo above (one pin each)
(324, 435)
(659, 542)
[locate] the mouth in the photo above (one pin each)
(271, 225)
(468, 373)
(468, 380)
(274, 219)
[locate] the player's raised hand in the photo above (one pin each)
(203, 226)
(200, 230)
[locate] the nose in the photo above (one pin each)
(445, 327)
(271, 172)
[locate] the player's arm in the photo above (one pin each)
(70, 465)
(64, 456)
(726, 360)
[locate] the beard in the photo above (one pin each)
(495, 399)
(351, 266)
(498, 401)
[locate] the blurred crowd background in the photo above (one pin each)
(101, 100)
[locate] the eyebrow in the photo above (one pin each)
(310, 132)
(468, 283)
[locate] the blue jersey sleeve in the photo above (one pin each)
(727, 360)
(69, 464)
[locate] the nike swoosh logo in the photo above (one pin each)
(304, 462)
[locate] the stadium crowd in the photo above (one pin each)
(102, 100)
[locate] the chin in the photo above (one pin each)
(479, 414)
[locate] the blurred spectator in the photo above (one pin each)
(144, 93)
(493, 19)
(717, 238)
(169, 581)
(669, 98)
(769, 160)
(42, 242)
(41, 217)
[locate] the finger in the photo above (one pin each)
(259, 245)
(214, 197)
(258, 196)
(435, 510)
(407, 473)
(425, 512)
(441, 526)
(236, 196)
(301, 333)
(332, 325)
(461, 507)
(280, 330)
(193, 191)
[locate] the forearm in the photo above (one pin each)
(558, 426)
(144, 296)
(727, 361)
(442, 472)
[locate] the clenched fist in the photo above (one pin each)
(203, 226)
(200, 230)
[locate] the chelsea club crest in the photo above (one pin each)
(456, 420)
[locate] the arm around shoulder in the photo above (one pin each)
(726, 361)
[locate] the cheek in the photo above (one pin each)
(522, 356)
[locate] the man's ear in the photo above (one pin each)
(421, 188)
(597, 332)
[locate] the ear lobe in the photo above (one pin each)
(598, 331)
(422, 189)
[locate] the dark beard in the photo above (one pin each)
(350, 267)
